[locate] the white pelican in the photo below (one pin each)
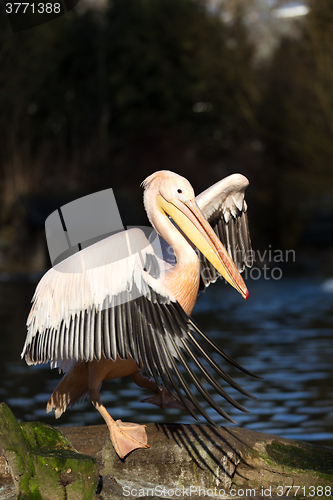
(96, 318)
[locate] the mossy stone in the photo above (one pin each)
(43, 462)
(301, 456)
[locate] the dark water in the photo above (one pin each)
(284, 333)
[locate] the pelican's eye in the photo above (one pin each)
(179, 193)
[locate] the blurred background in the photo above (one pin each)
(117, 89)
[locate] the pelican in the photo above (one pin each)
(103, 314)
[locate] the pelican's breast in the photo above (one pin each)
(183, 280)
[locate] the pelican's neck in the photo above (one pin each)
(184, 278)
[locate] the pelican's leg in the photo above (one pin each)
(125, 436)
(162, 397)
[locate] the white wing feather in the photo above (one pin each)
(226, 196)
(89, 278)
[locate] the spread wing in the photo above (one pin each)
(107, 301)
(224, 207)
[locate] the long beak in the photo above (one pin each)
(189, 218)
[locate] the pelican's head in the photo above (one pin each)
(174, 196)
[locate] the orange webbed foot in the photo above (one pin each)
(127, 437)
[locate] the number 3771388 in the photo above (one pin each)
(32, 8)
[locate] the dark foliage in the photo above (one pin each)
(104, 98)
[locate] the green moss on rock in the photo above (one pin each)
(44, 464)
(44, 436)
(302, 456)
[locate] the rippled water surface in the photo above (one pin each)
(283, 333)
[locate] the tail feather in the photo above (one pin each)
(72, 389)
